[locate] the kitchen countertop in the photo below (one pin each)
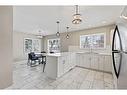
(105, 54)
(60, 54)
(53, 54)
(93, 53)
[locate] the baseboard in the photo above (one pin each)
(94, 69)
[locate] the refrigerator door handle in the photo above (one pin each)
(116, 51)
(114, 65)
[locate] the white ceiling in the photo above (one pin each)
(31, 19)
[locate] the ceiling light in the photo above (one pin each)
(77, 17)
(39, 35)
(57, 33)
(67, 36)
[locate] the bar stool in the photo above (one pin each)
(43, 62)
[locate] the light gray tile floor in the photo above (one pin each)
(25, 77)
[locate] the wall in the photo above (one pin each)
(74, 39)
(18, 44)
(6, 28)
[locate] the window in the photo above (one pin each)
(28, 45)
(94, 41)
(54, 45)
(36, 45)
(32, 45)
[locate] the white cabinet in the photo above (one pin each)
(66, 61)
(81, 61)
(108, 64)
(86, 60)
(94, 61)
(72, 60)
(60, 66)
(78, 59)
(66, 64)
(105, 63)
(101, 62)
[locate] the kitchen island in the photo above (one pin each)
(59, 63)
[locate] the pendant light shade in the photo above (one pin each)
(57, 33)
(67, 36)
(76, 17)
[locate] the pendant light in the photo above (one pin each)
(76, 17)
(67, 36)
(57, 33)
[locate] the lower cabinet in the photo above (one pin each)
(86, 60)
(108, 64)
(60, 66)
(69, 60)
(101, 62)
(72, 60)
(66, 62)
(95, 61)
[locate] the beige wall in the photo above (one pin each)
(6, 28)
(74, 39)
(18, 44)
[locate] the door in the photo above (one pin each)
(122, 78)
(116, 52)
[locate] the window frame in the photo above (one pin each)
(52, 40)
(91, 41)
(32, 39)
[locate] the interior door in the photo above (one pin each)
(116, 52)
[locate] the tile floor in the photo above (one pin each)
(25, 77)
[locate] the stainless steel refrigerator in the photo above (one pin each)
(119, 55)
